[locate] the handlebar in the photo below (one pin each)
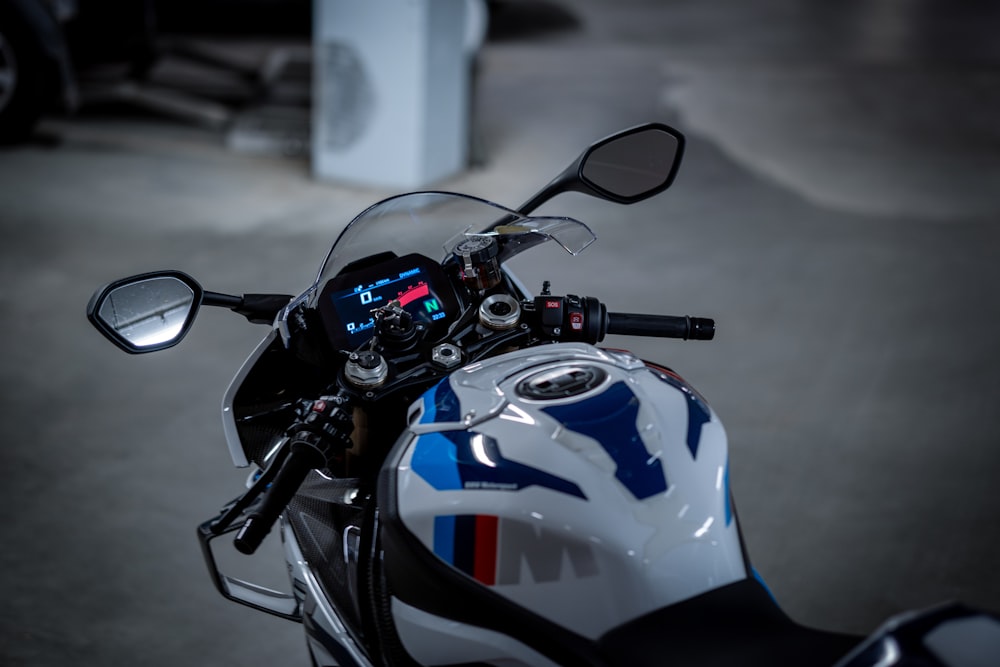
(326, 423)
(662, 326)
(302, 458)
(572, 317)
(323, 431)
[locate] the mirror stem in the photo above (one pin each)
(219, 299)
(257, 308)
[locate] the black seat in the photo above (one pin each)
(735, 625)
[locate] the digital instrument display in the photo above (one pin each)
(416, 282)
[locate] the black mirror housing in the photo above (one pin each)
(147, 312)
(633, 164)
(625, 168)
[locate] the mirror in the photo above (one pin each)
(634, 165)
(625, 168)
(146, 313)
(150, 312)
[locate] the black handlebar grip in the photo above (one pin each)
(661, 326)
(274, 501)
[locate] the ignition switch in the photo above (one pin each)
(394, 327)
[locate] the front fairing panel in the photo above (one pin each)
(328, 519)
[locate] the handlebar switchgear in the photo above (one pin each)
(322, 434)
(586, 319)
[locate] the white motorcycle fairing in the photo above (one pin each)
(577, 485)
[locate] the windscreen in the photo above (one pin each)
(433, 223)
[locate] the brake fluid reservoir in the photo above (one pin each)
(480, 268)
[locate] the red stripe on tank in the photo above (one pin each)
(485, 570)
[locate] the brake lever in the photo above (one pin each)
(238, 506)
(314, 441)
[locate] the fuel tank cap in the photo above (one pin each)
(561, 382)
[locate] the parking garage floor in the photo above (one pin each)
(838, 213)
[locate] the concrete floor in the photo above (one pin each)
(838, 213)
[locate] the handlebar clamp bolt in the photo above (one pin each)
(366, 370)
(446, 355)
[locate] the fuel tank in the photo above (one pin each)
(583, 485)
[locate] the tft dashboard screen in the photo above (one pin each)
(416, 282)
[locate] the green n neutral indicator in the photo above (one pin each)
(431, 305)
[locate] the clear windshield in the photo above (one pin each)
(433, 223)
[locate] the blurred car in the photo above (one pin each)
(35, 67)
(47, 45)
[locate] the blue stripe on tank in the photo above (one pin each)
(444, 538)
(441, 404)
(610, 419)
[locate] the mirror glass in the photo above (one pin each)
(148, 312)
(634, 164)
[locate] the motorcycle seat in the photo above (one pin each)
(735, 625)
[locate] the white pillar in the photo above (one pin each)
(391, 91)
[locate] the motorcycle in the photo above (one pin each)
(460, 475)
